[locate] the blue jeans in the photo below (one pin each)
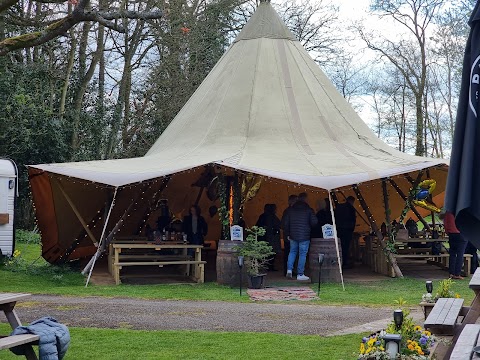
(299, 247)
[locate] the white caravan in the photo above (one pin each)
(8, 194)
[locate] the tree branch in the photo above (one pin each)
(61, 27)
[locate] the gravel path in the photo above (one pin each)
(202, 315)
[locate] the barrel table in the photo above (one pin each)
(228, 272)
(330, 269)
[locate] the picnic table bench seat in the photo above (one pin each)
(8, 342)
(443, 317)
(468, 339)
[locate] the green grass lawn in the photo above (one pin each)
(45, 281)
(99, 344)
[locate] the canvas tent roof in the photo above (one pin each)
(265, 108)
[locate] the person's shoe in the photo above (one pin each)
(302, 278)
(289, 274)
(457, 277)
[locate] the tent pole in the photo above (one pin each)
(156, 198)
(77, 213)
(99, 248)
(391, 258)
(336, 239)
(358, 212)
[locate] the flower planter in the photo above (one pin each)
(426, 308)
(257, 281)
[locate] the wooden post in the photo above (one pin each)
(77, 213)
(358, 212)
(386, 204)
(408, 201)
(330, 198)
(390, 256)
(156, 197)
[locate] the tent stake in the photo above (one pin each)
(390, 256)
(336, 239)
(99, 248)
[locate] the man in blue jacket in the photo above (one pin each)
(298, 223)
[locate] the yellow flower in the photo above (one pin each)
(368, 350)
(16, 253)
(457, 296)
(382, 348)
(362, 348)
(370, 342)
(428, 333)
(410, 347)
(420, 352)
(409, 341)
(417, 328)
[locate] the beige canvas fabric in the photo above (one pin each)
(265, 108)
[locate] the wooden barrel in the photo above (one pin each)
(228, 272)
(330, 270)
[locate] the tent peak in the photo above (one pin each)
(265, 23)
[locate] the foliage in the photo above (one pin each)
(445, 291)
(416, 342)
(27, 237)
(255, 252)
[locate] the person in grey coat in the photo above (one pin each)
(298, 224)
(54, 338)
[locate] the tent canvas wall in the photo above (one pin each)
(266, 109)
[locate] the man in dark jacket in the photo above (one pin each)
(298, 223)
(346, 218)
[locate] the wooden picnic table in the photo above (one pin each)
(466, 334)
(7, 305)
(120, 256)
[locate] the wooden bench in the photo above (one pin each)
(8, 342)
(440, 259)
(443, 317)
(468, 339)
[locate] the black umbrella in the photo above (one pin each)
(463, 185)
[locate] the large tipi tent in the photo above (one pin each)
(265, 109)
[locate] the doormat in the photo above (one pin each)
(282, 294)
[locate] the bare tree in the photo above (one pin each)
(407, 54)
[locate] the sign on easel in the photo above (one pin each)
(236, 232)
(327, 231)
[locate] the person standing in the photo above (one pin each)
(271, 223)
(292, 199)
(298, 223)
(457, 245)
(346, 218)
(195, 227)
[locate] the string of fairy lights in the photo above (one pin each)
(145, 186)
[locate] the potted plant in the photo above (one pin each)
(256, 254)
(444, 291)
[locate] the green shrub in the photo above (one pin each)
(27, 237)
